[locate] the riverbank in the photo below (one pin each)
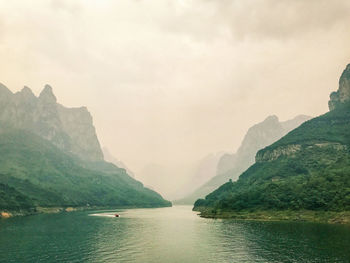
(53, 210)
(329, 217)
(38, 210)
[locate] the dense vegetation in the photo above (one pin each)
(231, 166)
(34, 172)
(10, 199)
(330, 127)
(316, 177)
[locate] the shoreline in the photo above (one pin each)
(328, 217)
(5, 214)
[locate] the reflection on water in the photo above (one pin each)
(167, 235)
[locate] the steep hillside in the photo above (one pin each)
(50, 156)
(70, 129)
(34, 172)
(108, 157)
(230, 166)
(308, 169)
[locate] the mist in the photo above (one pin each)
(169, 82)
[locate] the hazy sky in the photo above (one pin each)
(168, 81)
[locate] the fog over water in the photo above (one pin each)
(169, 82)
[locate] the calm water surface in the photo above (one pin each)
(167, 235)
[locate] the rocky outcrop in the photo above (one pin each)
(78, 123)
(292, 149)
(268, 156)
(307, 169)
(258, 137)
(342, 95)
(231, 166)
(70, 129)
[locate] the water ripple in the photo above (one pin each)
(166, 235)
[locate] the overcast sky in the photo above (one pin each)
(168, 81)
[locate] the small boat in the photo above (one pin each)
(116, 215)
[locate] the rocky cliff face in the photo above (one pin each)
(269, 156)
(291, 150)
(341, 96)
(306, 169)
(70, 129)
(258, 137)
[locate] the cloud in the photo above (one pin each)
(257, 19)
(171, 81)
(73, 8)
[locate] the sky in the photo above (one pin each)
(170, 81)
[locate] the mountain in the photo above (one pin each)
(154, 176)
(230, 166)
(46, 176)
(203, 170)
(258, 137)
(308, 169)
(175, 180)
(70, 129)
(44, 162)
(108, 157)
(342, 95)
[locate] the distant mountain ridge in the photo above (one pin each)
(259, 136)
(230, 166)
(308, 169)
(202, 171)
(40, 174)
(50, 157)
(108, 157)
(70, 129)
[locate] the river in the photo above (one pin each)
(167, 235)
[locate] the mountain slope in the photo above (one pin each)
(50, 156)
(70, 129)
(108, 157)
(40, 174)
(308, 169)
(230, 166)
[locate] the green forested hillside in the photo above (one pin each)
(10, 199)
(332, 126)
(309, 169)
(230, 166)
(34, 172)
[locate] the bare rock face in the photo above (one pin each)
(258, 137)
(47, 96)
(341, 96)
(230, 166)
(78, 123)
(292, 149)
(269, 156)
(70, 129)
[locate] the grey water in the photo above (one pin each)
(167, 235)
